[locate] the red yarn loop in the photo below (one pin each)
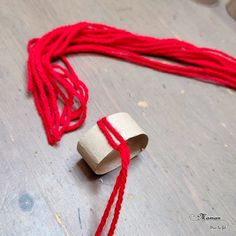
(118, 191)
(61, 98)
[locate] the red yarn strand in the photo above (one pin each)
(118, 191)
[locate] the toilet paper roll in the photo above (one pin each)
(97, 152)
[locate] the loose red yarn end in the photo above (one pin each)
(61, 98)
(113, 137)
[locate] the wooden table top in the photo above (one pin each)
(189, 165)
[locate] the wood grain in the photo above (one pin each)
(189, 165)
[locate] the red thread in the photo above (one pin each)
(61, 98)
(52, 83)
(119, 187)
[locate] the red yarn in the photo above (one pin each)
(61, 98)
(119, 187)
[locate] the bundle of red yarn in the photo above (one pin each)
(61, 97)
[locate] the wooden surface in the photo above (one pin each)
(189, 165)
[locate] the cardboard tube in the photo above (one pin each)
(97, 152)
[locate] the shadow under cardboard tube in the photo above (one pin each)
(86, 170)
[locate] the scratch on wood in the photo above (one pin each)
(3, 202)
(12, 138)
(61, 223)
(80, 222)
(4, 197)
(223, 124)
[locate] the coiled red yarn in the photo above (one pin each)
(61, 97)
